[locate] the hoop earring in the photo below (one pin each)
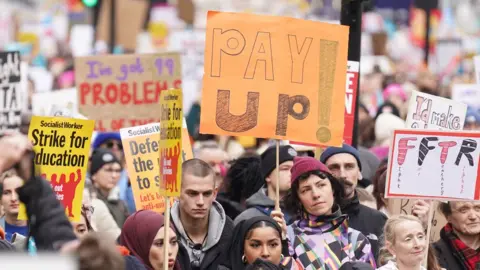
(244, 260)
(282, 257)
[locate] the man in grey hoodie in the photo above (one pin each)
(263, 202)
(202, 226)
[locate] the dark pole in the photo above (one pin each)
(351, 15)
(428, 12)
(113, 14)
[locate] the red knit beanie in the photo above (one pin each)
(303, 165)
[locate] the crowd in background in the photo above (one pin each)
(333, 213)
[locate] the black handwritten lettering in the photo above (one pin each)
(468, 146)
(424, 148)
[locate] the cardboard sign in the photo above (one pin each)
(11, 103)
(43, 103)
(171, 126)
(435, 113)
(437, 165)
(274, 77)
(62, 147)
(468, 94)
(404, 206)
(141, 155)
(130, 17)
(120, 91)
(350, 103)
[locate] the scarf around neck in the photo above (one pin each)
(322, 224)
(469, 257)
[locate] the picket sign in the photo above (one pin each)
(436, 165)
(431, 112)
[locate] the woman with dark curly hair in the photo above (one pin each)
(321, 238)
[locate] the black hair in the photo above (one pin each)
(260, 264)
(445, 208)
(395, 111)
(244, 178)
(292, 201)
(262, 224)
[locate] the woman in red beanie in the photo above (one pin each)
(320, 237)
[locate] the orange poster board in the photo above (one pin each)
(274, 77)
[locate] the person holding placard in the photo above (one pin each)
(202, 225)
(459, 244)
(316, 197)
(263, 202)
(344, 163)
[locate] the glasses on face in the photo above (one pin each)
(111, 144)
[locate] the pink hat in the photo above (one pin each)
(303, 165)
(394, 89)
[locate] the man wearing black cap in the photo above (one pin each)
(263, 202)
(344, 163)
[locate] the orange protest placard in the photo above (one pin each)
(274, 77)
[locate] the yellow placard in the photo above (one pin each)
(62, 147)
(171, 125)
(142, 158)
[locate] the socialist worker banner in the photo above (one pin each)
(62, 147)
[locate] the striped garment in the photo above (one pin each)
(327, 244)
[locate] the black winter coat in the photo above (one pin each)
(218, 254)
(368, 221)
(446, 254)
(49, 225)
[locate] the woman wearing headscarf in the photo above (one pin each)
(255, 238)
(143, 236)
(321, 238)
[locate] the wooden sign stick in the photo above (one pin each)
(166, 226)
(277, 190)
(433, 204)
